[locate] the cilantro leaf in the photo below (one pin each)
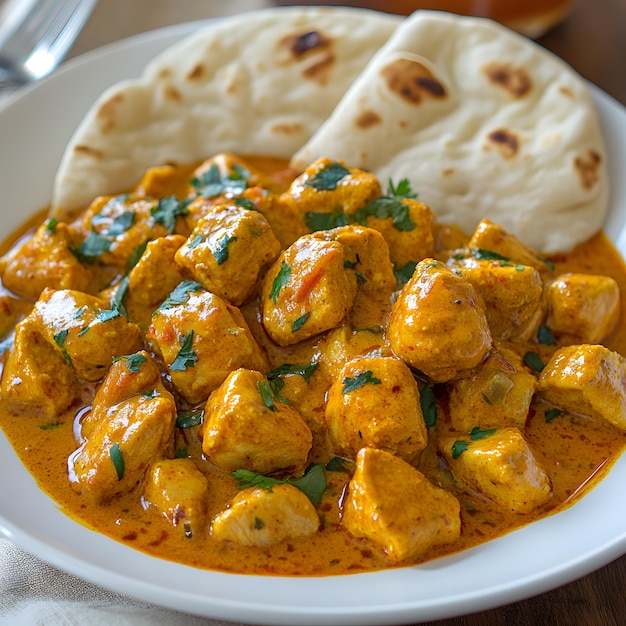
(325, 221)
(270, 391)
(476, 433)
(281, 279)
(211, 183)
(186, 357)
(221, 251)
(180, 294)
(533, 360)
(350, 384)
(115, 452)
(483, 254)
(404, 273)
(312, 483)
(458, 447)
(545, 336)
(306, 371)
(166, 211)
(133, 361)
(428, 405)
(187, 419)
(384, 208)
(299, 323)
(119, 224)
(328, 177)
(59, 339)
(50, 225)
(402, 190)
(92, 247)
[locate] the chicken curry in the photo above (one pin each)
(248, 369)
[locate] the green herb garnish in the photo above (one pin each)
(384, 208)
(458, 447)
(133, 361)
(428, 405)
(282, 278)
(325, 221)
(552, 414)
(488, 255)
(166, 211)
(115, 452)
(299, 323)
(544, 336)
(533, 360)
(328, 177)
(211, 183)
(60, 339)
(187, 419)
(180, 294)
(306, 371)
(221, 251)
(186, 357)
(364, 378)
(404, 273)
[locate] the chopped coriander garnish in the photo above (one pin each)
(166, 211)
(532, 359)
(552, 414)
(50, 225)
(108, 314)
(328, 177)
(281, 279)
(350, 384)
(195, 241)
(306, 371)
(115, 452)
(384, 208)
(186, 357)
(211, 183)
(404, 273)
(487, 255)
(458, 447)
(182, 453)
(299, 323)
(119, 224)
(60, 339)
(325, 221)
(402, 190)
(187, 419)
(476, 433)
(80, 311)
(312, 483)
(258, 523)
(180, 294)
(270, 391)
(428, 405)
(339, 464)
(51, 425)
(92, 247)
(221, 251)
(133, 361)
(244, 203)
(544, 336)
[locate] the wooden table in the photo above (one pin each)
(593, 40)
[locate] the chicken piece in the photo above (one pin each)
(129, 375)
(438, 324)
(165, 180)
(407, 225)
(307, 291)
(248, 426)
(154, 276)
(327, 193)
(114, 228)
(265, 517)
(500, 465)
(496, 394)
(229, 250)
(375, 403)
(395, 505)
(491, 240)
(45, 260)
(178, 489)
(137, 432)
(202, 339)
(582, 308)
(512, 296)
(36, 378)
(85, 330)
(586, 380)
(343, 344)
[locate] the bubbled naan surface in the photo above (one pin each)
(483, 122)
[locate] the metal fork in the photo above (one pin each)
(35, 36)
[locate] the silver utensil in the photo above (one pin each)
(35, 36)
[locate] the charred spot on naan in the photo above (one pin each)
(413, 81)
(108, 113)
(367, 118)
(505, 141)
(587, 166)
(313, 49)
(287, 128)
(515, 80)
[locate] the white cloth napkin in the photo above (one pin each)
(33, 593)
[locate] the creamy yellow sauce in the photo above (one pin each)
(576, 452)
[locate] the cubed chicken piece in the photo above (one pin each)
(328, 193)
(12, 310)
(178, 489)
(375, 403)
(343, 344)
(45, 260)
(229, 250)
(265, 517)
(512, 296)
(407, 225)
(582, 308)
(393, 504)
(490, 238)
(154, 276)
(114, 228)
(128, 376)
(438, 324)
(202, 339)
(500, 465)
(307, 395)
(496, 394)
(85, 330)
(586, 380)
(162, 181)
(114, 459)
(248, 426)
(36, 377)
(307, 291)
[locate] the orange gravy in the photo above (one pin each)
(575, 452)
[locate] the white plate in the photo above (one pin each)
(33, 131)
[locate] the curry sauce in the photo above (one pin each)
(573, 450)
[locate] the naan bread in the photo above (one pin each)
(259, 84)
(483, 122)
